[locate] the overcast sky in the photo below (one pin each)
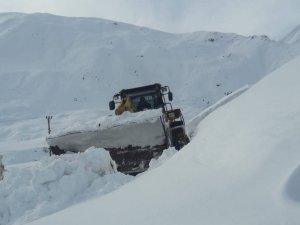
(272, 17)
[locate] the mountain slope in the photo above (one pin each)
(241, 168)
(50, 64)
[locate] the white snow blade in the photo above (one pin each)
(135, 134)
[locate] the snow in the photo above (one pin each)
(71, 64)
(1, 168)
(242, 167)
(165, 156)
(52, 184)
(194, 122)
(293, 36)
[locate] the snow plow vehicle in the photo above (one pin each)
(143, 126)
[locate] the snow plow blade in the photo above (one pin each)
(131, 142)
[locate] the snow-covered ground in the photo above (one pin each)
(241, 167)
(32, 190)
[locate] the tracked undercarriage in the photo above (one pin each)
(134, 138)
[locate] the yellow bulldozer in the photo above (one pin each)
(144, 125)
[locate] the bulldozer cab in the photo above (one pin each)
(141, 98)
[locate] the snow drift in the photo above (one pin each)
(242, 167)
(30, 191)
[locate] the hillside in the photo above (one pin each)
(50, 64)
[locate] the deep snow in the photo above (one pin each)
(233, 172)
(32, 190)
(242, 167)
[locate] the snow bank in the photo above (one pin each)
(30, 191)
(193, 123)
(166, 155)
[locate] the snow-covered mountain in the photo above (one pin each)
(50, 63)
(241, 166)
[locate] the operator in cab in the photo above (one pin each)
(143, 104)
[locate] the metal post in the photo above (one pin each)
(48, 118)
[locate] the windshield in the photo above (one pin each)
(154, 100)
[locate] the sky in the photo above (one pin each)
(247, 17)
